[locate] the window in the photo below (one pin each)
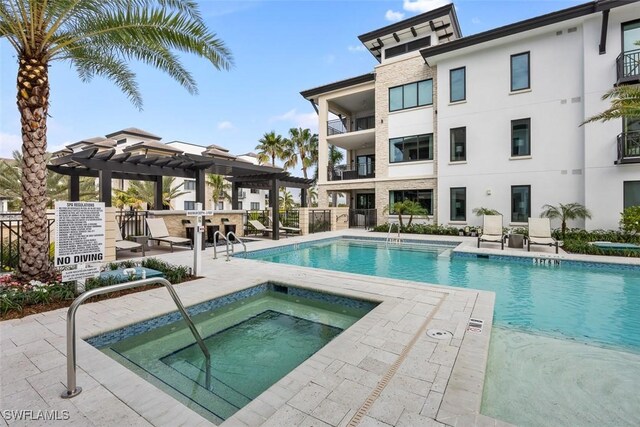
(520, 73)
(240, 205)
(457, 85)
(631, 194)
(407, 47)
(189, 205)
(423, 197)
(521, 137)
(520, 203)
(458, 144)
(255, 206)
(254, 191)
(189, 184)
(411, 95)
(411, 148)
(220, 206)
(458, 204)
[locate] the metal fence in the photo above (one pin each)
(363, 218)
(319, 220)
(10, 229)
(290, 218)
(132, 223)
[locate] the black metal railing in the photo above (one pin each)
(363, 218)
(360, 171)
(319, 220)
(289, 218)
(132, 223)
(629, 147)
(10, 231)
(338, 126)
(628, 66)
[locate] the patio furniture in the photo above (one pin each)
(289, 229)
(122, 244)
(260, 228)
(492, 230)
(158, 232)
(540, 233)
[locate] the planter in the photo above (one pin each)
(516, 241)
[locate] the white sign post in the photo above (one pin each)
(80, 239)
(198, 229)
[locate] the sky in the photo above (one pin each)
(279, 47)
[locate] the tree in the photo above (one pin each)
(625, 102)
(98, 38)
(312, 194)
(271, 147)
(565, 213)
(406, 207)
(335, 157)
(286, 199)
(219, 188)
(485, 211)
(57, 185)
(144, 191)
(305, 147)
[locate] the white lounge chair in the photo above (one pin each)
(158, 232)
(289, 229)
(492, 230)
(540, 233)
(260, 227)
(122, 244)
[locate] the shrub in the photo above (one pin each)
(630, 221)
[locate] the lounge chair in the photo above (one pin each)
(492, 230)
(122, 244)
(540, 233)
(260, 228)
(289, 229)
(158, 232)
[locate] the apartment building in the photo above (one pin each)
(491, 120)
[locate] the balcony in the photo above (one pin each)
(628, 148)
(628, 67)
(338, 127)
(361, 171)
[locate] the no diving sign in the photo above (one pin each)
(80, 233)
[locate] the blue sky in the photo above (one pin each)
(279, 48)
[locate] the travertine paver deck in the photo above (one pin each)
(384, 370)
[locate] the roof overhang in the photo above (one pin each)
(310, 94)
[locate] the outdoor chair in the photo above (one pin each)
(158, 232)
(122, 244)
(492, 230)
(294, 230)
(260, 228)
(540, 233)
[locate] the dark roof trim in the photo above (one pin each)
(518, 27)
(365, 78)
(139, 133)
(418, 19)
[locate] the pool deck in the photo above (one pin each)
(383, 371)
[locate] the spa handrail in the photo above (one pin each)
(215, 243)
(72, 389)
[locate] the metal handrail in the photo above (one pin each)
(215, 246)
(229, 234)
(72, 388)
(388, 239)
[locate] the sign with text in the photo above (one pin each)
(80, 233)
(200, 213)
(80, 274)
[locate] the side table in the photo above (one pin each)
(143, 240)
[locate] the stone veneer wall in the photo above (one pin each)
(173, 220)
(109, 234)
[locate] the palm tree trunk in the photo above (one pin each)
(33, 105)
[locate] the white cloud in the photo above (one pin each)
(356, 48)
(303, 120)
(393, 16)
(225, 125)
(8, 143)
(422, 6)
(476, 21)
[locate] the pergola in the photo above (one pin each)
(107, 164)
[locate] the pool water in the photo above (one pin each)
(253, 343)
(594, 305)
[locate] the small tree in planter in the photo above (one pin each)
(565, 212)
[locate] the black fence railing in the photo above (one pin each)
(319, 220)
(628, 66)
(363, 218)
(338, 126)
(132, 223)
(628, 146)
(289, 219)
(360, 171)
(10, 231)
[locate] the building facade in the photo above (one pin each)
(492, 120)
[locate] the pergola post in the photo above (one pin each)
(275, 209)
(104, 179)
(234, 195)
(303, 197)
(158, 203)
(74, 188)
(200, 183)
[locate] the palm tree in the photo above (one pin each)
(335, 157)
(271, 147)
(406, 207)
(219, 188)
(144, 191)
(305, 146)
(98, 38)
(312, 194)
(565, 213)
(625, 103)
(485, 211)
(57, 185)
(286, 200)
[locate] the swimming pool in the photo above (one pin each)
(593, 305)
(255, 338)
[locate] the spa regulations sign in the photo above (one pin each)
(80, 233)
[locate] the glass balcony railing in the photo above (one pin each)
(361, 171)
(337, 127)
